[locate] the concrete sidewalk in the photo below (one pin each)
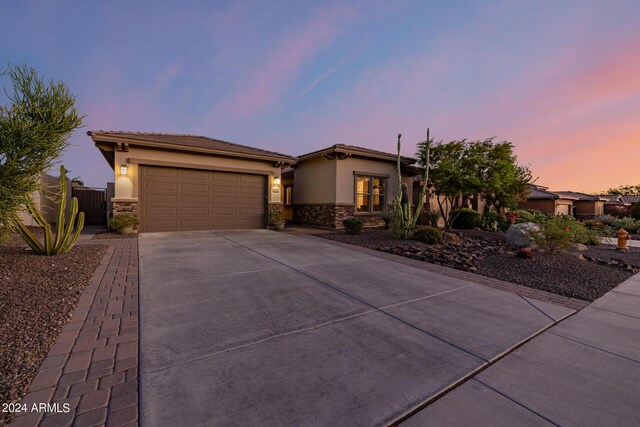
(612, 241)
(584, 371)
(253, 327)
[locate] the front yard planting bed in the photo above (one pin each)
(583, 275)
(37, 296)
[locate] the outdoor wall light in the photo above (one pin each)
(276, 181)
(123, 169)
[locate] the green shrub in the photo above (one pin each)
(491, 221)
(352, 225)
(122, 221)
(627, 223)
(429, 235)
(387, 217)
(467, 219)
(605, 219)
(524, 216)
(558, 233)
(635, 211)
(433, 216)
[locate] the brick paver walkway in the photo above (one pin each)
(93, 366)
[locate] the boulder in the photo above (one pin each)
(452, 238)
(524, 253)
(519, 234)
(579, 247)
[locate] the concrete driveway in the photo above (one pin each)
(254, 327)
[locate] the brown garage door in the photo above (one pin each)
(189, 199)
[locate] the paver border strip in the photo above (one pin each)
(93, 365)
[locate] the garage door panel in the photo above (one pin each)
(183, 199)
(161, 186)
(159, 199)
(195, 188)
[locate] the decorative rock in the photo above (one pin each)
(519, 234)
(524, 253)
(451, 238)
(580, 257)
(579, 247)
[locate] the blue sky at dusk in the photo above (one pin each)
(560, 79)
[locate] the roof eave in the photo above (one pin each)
(173, 147)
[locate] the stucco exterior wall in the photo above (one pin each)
(548, 206)
(314, 181)
(45, 200)
(126, 187)
(345, 182)
(588, 208)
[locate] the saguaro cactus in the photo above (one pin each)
(404, 220)
(63, 240)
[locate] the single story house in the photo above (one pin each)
(188, 182)
(342, 181)
(626, 201)
(585, 206)
(547, 202)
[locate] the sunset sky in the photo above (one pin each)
(560, 79)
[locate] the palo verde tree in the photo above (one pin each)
(502, 182)
(35, 126)
(452, 176)
(461, 170)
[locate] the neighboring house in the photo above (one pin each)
(619, 200)
(342, 181)
(187, 182)
(547, 202)
(45, 200)
(585, 206)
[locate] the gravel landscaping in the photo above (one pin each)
(37, 296)
(585, 275)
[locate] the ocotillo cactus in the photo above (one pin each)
(403, 219)
(63, 240)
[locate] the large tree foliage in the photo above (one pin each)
(502, 181)
(35, 127)
(460, 170)
(625, 190)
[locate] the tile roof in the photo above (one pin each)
(614, 199)
(353, 149)
(191, 141)
(578, 195)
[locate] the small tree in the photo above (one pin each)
(404, 220)
(501, 181)
(625, 190)
(34, 129)
(452, 176)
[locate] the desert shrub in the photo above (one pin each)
(629, 224)
(467, 219)
(430, 235)
(491, 221)
(524, 216)
(433, 216)
(605, 219)
(387, 217)
(558, 233)
(352, 225)
(122, 221)
(617, 211)
(635, 211)
(593, 224)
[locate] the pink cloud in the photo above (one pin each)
(268, 80)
